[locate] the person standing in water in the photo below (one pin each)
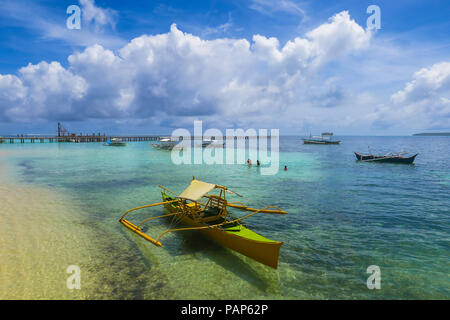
(257, 163)
(249, 162)
(285, 168)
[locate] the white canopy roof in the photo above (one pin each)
(196, 190)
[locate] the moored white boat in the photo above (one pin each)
(325, 138)
(165, 143)
(115, 142)
(213, 143)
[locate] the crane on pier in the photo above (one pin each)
(61, 130)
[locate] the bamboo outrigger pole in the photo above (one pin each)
(137, 229)
(241, 206)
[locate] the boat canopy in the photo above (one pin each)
(196, 190)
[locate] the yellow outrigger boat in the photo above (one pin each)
(212, 219)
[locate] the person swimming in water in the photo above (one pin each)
(285, 168)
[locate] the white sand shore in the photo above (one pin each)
(39, 239)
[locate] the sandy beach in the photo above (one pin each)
(37, 242)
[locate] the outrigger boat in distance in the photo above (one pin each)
(213, 143)
(115, 142)
(165, 143)
(325, 138)
(211, 217)
(389, 157)
(169, 143)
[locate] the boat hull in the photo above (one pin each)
(307, 141)
(265, 252)
(384, 159)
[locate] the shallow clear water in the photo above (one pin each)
(343, 217)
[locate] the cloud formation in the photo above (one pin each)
(428, 83)
(95, 27)
(96, 15)
(424, 103)
(174, 75)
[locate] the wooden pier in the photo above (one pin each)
(75, 139)
(65, 135)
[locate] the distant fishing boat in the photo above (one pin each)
(165, 143)
(115, 142)
(325, 138)
(212, 142)
(168, 143)
(389, 157)
(206, 142)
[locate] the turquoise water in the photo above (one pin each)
(343, 217)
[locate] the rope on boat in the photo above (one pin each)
(175, 220)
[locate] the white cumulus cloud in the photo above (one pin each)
(432, 82)
(176, 75)
(99, 16)
(423, 103)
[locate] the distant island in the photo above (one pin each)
(433, 134)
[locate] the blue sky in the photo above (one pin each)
(313, 66)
